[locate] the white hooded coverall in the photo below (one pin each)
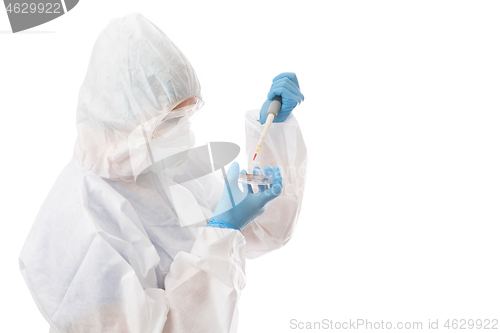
(107, 255)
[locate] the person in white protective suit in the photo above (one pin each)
(118, 246)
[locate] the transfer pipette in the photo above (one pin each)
(272, 112)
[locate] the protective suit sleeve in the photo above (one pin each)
(283, 147)
(203, 287)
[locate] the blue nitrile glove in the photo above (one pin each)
(247, 204)
(287, 87)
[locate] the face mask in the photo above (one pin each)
(156, 145)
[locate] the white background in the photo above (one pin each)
(401, 120)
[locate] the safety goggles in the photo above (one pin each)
(173, 117)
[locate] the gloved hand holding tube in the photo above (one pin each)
(237, 208)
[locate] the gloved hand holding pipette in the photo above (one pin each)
(281, 100)
(285, 87)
